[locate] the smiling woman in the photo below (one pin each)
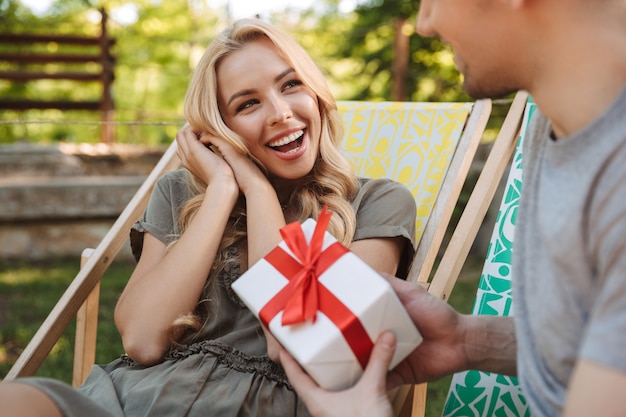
(260, 149)
(275, 114)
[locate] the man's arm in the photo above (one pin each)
(491, 344)
(596, 390)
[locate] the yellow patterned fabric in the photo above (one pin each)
(412, 143)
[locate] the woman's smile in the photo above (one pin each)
(291, 146)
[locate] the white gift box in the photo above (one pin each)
(319, 345)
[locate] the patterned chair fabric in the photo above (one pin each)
(412, 143)
(482, 394)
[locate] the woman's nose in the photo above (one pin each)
(278, 111)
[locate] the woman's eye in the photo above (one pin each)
(246, 105)
(291, 84)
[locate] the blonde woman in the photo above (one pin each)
(260, 150)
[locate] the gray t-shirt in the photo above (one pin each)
(569, 285)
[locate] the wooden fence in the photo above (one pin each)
(27, 64)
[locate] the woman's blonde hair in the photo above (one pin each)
(331, 182)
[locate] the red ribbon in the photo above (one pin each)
(304, 295)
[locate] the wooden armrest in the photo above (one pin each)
(86, 330)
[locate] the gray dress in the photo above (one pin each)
(228, 373)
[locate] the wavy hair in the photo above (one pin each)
(331, 182)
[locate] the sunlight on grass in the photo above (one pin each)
(28, 294)
(24, 274)
(59, 347)
(18, 277)
(3, 354)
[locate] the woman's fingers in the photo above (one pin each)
(197, 158)
(248, 174)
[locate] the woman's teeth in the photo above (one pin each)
(289, 143)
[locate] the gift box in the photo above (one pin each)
(324, 304)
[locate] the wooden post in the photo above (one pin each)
(17, 67)
(107, 131)
(400, 64)
(86, 330)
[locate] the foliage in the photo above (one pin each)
(155, 56)
(157, 50)
(356, 51)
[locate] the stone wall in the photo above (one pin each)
(58, 200)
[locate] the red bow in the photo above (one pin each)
(304, 295)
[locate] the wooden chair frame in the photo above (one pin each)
(81, 297)
(499, 393)
(84, 283)
(411, 400)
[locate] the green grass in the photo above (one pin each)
(29, 291)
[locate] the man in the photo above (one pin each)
(567, 339)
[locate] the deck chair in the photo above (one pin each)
(381, 140)
(411, 400)
(482, 394)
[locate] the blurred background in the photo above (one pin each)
(368, 49)
(80, 132)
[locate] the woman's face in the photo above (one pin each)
(265, 101)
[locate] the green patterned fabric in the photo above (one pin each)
(482, 394)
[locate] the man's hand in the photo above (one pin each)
(442, 352)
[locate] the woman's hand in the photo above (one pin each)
(264, 214)
(248, 175)
(367, 398)
(201, 161)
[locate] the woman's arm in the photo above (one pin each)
(167, 283)
(382, 254)
(264, 215)
(265, 219)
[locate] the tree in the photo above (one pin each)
(370, 53)
(155, 56)
(373, 53)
